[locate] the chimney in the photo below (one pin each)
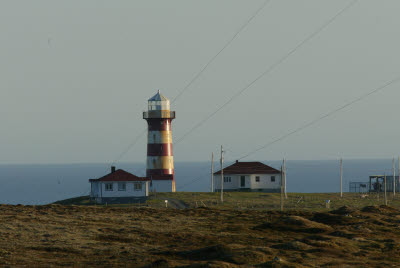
(112, 169)
(237, 161)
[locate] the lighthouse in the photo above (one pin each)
(160, 158)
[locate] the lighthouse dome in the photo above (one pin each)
(159, 102)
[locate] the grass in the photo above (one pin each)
(82, 201)
(271, 201)
(71, 235)
(257, 200)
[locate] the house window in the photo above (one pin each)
(272, 178)
(109, 186)
(121, 186)
(257, 178)
(137, 186)
(227, 179)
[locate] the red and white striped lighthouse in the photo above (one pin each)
(160, 158)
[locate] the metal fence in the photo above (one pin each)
(359, 187)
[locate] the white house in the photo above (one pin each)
(119, 187)
(249, 176)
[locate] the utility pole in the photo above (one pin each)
(222, 174)
(212, 172)
(281, 189)
(284, 176)
(394, 179)
(341, 177)
(385, 191)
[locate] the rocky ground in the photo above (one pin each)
(57, 235)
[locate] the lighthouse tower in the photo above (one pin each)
(160, 159)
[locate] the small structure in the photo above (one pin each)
(377, 183)
(249, 176)
(119, 187)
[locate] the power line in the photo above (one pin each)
(199, 73)
(222, 49)
(313, 122)
(200, 177)
(131, 145)
(269, 70)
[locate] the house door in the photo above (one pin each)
(242, 181)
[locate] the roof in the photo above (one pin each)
(120, 175)
(249, 168)
(158, 97)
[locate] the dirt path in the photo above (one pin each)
(176, 203)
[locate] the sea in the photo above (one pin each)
(43, 184)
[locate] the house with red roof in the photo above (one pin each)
(119, 186)
(249, 176)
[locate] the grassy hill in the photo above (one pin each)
(256, 201)
(80, 201)
(60, 235)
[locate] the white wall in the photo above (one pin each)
(265, 182)
(250, 182)
(130, 191)
(234, 184)
(161, 186)
(95, 189)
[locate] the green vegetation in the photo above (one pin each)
(82, 201)
(256, 201)
(271, 201)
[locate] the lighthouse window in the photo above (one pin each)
(109, 186)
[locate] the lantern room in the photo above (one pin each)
(159, 103)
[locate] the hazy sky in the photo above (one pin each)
(76, 76)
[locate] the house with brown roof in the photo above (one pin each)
(249, 176)
(119, 186)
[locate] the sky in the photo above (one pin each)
(75, 77)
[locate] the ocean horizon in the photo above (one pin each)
(38, 184)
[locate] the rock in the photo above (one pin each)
(372, 209)
(345, 210)
(277, 259)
